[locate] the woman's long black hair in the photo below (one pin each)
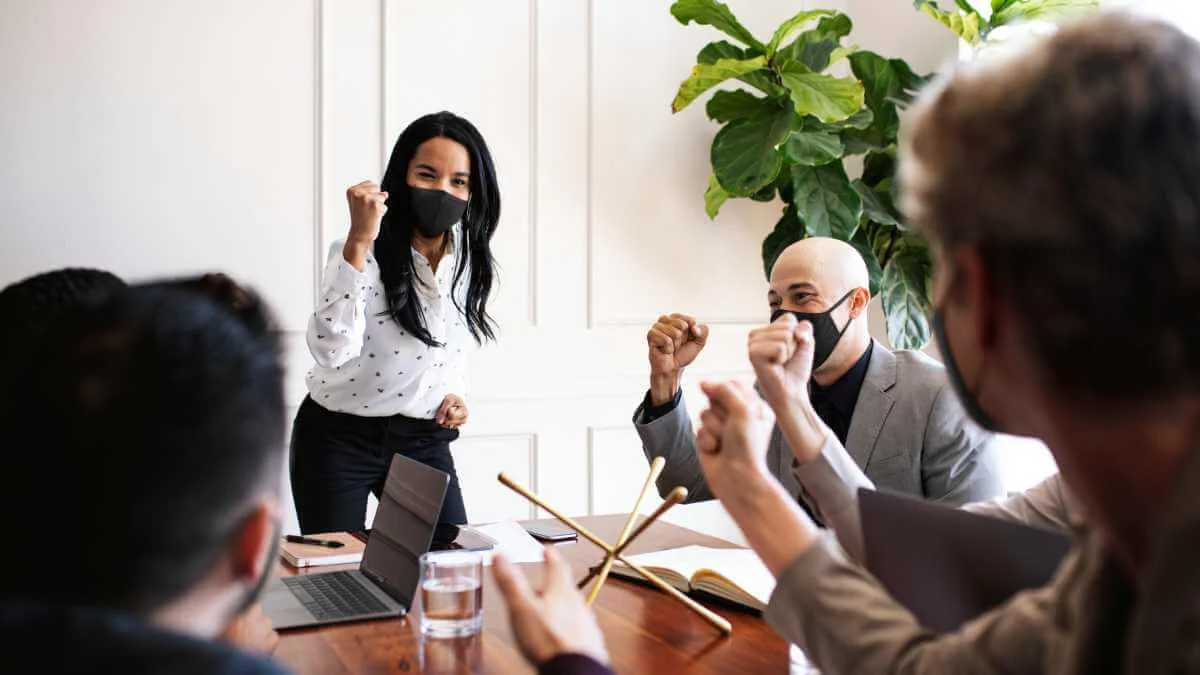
(393, 248)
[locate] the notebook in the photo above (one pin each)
(732, 574)
(307, 555)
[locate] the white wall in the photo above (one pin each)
(158, 137)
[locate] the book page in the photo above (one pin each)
(685, 561)
(735, 574)
(740, 569)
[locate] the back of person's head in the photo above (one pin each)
(28, 305)
(139, 440)
(1073, 169)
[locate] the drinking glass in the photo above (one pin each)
(451, 593)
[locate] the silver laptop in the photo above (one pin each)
(386, 581)
(948, 566)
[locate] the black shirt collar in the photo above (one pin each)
(843, 393)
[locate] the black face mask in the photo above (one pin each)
(965, 395)
(434, 212)
(825, 331)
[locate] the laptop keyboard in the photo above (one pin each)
(334, 595)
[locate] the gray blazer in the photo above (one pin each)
(908, 433)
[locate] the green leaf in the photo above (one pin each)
(1042, 10)
(965, 26)
(714, 197)
(859, 120)
(841, 53)
(717, 15)
(814, 48)
(706, 76)
(828, 98)
(906, 296)
(726, 106)
(860, 141)
(722, 49)
(862, 242)
(745, 153)
(826, 201)
(876, 206)
(885, 81)
(761, 80)
(790, 26)
(764, 195)
(879, 166)
(788, 230)
(813, 148)
(1000, 5)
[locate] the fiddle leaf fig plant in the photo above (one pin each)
(974, 26)
(787, 127)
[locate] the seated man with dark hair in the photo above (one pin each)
(31, 303)
(159, 416)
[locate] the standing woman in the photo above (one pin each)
(402, 302)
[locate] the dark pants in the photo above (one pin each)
(338, 458)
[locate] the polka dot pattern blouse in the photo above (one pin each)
(366, 364)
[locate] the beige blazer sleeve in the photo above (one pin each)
(846, 623)
(830, 483)
(1048, 504)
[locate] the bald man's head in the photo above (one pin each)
(815, 274)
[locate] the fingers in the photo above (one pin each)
(787, 319)
(774, 344)
(707, 441)
(658, 339)
(367, 191)
(680, 328)
(713, 420)
(558, 573)
(677, 329)
(456, 416)
(512, 584)
(452, 413)
(727, 395)
(803, 334)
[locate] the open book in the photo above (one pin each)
(733, 574)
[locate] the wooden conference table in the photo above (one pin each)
(646, 631)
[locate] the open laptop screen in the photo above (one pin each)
(403, 529)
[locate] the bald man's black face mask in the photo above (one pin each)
(825, 331)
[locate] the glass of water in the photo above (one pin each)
(451, 593)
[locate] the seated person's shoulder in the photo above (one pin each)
(919, 375)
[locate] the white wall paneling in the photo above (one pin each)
(160, 138)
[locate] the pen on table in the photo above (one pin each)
(297, 539)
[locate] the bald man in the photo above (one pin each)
(893, 412)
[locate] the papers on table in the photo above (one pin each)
(513, 541)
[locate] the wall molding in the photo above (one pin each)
(592, 432)
(534, 146)
(531, 442)
(318, 144)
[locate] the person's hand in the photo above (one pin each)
(367, 206)
(251, 631)
(675, 341)
(553, 620)
(782, 355)
(733, 437)
(453, 412)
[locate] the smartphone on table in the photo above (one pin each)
(550, 532)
